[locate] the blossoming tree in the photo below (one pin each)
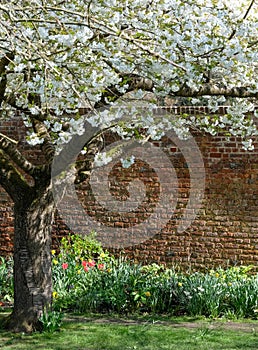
(59, 56)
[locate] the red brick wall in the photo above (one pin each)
(225, 231)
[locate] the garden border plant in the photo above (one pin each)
(87, 278)
(6, 280)
(93, 280)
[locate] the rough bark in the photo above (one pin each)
(32, 261)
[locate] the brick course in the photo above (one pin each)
(225, 231)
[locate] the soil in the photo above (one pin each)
(216, 324)
(251, 327)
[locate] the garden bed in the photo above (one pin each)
(87, 278)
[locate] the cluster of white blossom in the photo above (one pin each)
(127, 162)
(33, 139)
(102, 159)
(74, 54)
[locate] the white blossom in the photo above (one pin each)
(56, 127)
(67, 58)
(127, 162)
(43, 32)
(102, 159)
(34, 140)
(248, 145)
(34, 110)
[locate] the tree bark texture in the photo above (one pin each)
(32, 261)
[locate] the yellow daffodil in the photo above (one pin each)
(55, 262)
(53, 252)
(55, 295)
(147, 294)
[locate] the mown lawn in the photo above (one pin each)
(115, 334)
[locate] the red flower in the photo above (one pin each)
(86, 269)
(91, 263)
(65, 266)
(100, 266)
(84, 263)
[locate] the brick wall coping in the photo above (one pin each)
(177, 110)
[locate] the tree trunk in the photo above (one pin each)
(32, 261)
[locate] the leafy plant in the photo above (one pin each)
(6, 279)
(73, 268)
(81, 247)
(51, 321)
(101, 283)
(222, 291)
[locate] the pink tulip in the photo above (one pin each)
(65, 266)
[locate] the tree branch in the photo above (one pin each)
(214, 90)
(39, 127)
(11, 150)
(47, 147)
(11, 180)
(133, 81)
(245, 16)
(4, 61)
(9, 139)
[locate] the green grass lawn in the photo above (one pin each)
(144, 334)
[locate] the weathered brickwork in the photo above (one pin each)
(224, 232)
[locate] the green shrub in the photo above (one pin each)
(120, 286)
(202, 294)
(243, 297)
(82, 247)
(124, 287)
(88, 279)
(6, 279)
(220, 292)
(78, 255)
